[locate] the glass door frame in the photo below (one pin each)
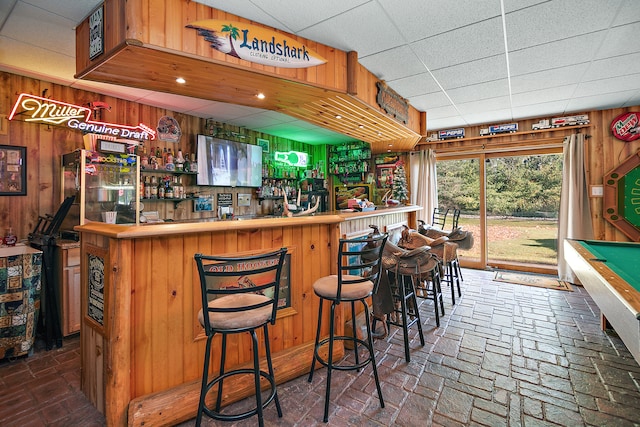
(482, 156)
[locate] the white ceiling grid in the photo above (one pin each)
(447, 58)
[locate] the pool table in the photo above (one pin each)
(610, 273)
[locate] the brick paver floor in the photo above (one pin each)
(504, 355)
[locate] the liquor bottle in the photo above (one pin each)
(170, 156)
(154, 188)
(147, 188)
(159, 161)
(187, 163)
(194, 163)
(179, 161)
(142, 186)
(161, 188)
(144, 158)
(169, 190)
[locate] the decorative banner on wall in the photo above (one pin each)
(392, 103)
(256, 44)
(169, 129)
(35, 109)
(626, 127)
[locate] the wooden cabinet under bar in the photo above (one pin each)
(142, 346)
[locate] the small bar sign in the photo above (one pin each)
(96, 33)
(111, 147)
(225, 199)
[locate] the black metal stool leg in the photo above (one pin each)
(256, 376)
(372, 354)
(416, 312)
(330, 362)
(270, 367)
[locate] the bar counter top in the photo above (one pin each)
(126, 231)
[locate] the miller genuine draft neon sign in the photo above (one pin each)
(35, 109)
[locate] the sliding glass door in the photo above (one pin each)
(510, 202)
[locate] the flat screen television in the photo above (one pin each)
(228, 163)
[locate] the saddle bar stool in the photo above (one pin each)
(403, 268)
(234, 301)
(357, 278)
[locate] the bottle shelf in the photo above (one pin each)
(166, 171)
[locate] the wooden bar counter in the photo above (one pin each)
(142, 346)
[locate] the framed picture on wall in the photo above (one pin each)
(203, 204)
(264, 143)
(13, 170)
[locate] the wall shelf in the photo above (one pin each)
(504, 135)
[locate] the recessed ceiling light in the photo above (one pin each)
(361, 126)
(338, 116)
(181, 80)
(260, 96)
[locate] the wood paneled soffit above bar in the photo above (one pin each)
(135, 56)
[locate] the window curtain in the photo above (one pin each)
(574, 220)
(424, 183)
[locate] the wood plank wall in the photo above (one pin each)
(163, 23)
(46, 144)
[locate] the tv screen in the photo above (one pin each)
(228, 163)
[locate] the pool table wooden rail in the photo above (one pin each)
(619, 302)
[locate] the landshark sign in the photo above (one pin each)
(256, 44)
(35, 109)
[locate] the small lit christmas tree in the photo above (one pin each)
(400, 192)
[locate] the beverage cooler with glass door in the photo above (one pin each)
(106, 186)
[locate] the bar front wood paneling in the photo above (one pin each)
(142, 365)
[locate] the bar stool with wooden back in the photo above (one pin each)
(239, 295)
(357, 278)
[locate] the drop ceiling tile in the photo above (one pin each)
(228, 113)
(544, 110)
(450, 122)
(628, 13)
(490, 104)
(54, 32)
(479, 71)
(79, 9)
(461, 45)
(615, 84)
(246, 9)
(480, 91)
(612, 67)
(634, 100)
(598, 102)
(296, 15)
(554, 55)
(516, 5)
(415, 85)
(419, 19)
(174, 102)
(430, 101)
(26, 59)
(541, 96)
(384, 65)
(444, 112)
(557, 20)
(129, 94)
(494, 117)
(548, 78)
(620, 41)
(374, 36)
